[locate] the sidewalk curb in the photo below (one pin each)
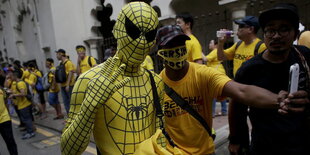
(221, 136)
(41, 125)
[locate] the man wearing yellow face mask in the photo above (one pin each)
(114, 100)
(198, 85)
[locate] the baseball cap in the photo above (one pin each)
(248, 20)
(286, 11)
(168, 33)
(61, 51)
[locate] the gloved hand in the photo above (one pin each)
(101, 88)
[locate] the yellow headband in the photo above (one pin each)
(81, 49)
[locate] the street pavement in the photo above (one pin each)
(47, 139)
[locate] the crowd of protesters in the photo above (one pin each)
(23, 88)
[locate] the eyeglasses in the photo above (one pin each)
(283, 32)
(243, 26)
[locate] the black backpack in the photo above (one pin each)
(28, 95)
(256, 46)
(60, 73)
(89, 61)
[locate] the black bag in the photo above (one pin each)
(60, 73)
(28, 95)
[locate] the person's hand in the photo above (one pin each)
(101, 88)
(222, 40)
(234, 149)
(67, 88)
(295, 102)
(11, 96)
(283, 109)
(8, 76)
(79, 60)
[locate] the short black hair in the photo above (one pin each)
(25, 64)
(17, 63)
(80, 46)
(187, 17)
(61, 51)
(32, 65)
(18, 73)
(50, 60)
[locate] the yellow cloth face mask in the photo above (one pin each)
(175, 58)
(135, 31)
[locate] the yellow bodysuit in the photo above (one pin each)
(114, 100)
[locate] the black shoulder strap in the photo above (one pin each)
(185, 106)
(17, 85)
(238, 44)
(159, 111)
(157, 105)
(257, 47)
(89, 61)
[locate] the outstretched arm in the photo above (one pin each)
(251, 95)
(75, 138)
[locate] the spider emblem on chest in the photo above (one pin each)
(136, 111)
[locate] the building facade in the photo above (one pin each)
(34, 29)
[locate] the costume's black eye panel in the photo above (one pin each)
(150, 36)
(131, 29)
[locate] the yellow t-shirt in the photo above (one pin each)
(199, 87)
(22, 102)
(194, 49)
(32, 79)
(51, 75)
(213, 62)
(4, 114)
(69, 68)
(148, 63)
(84, 65)
(304, 39)
(26, 74)
(243, 53)
(38, 73)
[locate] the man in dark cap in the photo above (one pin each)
(67, 85)
(198, 85)
(248, 46)
(273, 132)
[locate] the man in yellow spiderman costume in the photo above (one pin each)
(114, 99)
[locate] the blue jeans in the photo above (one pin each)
(66, 97)
(53, 98)
(223, 107)
(26, 118)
